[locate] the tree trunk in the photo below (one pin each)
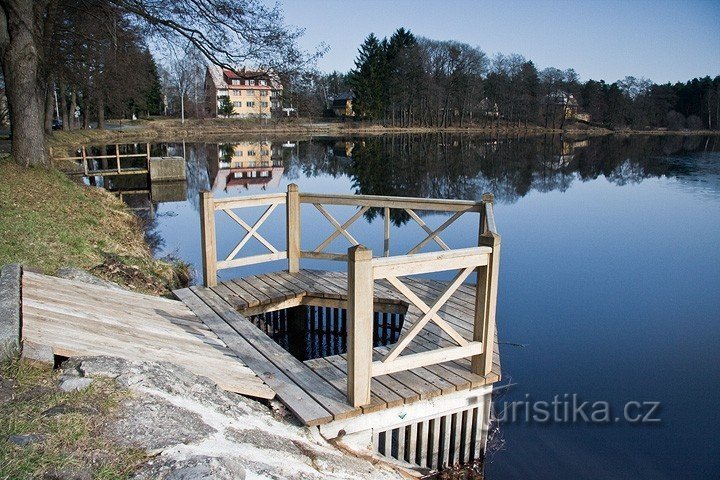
(21, 63)
(49, 107)
(101, 113)
(71, 112)
(63, 107)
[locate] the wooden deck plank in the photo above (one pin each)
(68, 340)
(295, 398)
(109, 297)
(231, 296)
(324, 393)
(269, 291)
(282, 287)
(100, 291)
(243, 294)
(390, 396)
(338, 380)
(260, 296)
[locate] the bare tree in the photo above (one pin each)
(226, 32)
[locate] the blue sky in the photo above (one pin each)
(661, 40)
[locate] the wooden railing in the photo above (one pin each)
(117, 156)
(363, 271)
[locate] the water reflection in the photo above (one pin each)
(241, 165)
(593, 280)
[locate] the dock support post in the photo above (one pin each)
(207, 231)
(486, 293)
(293, 227)
(360, 325)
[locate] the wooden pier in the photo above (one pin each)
(315, 390)
(419, 394)
(433, 380)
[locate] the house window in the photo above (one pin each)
(252, 82)
(263, 93)
(263, 82)
(249, 104)
(237, 104)
(235, 81)
(263, 104)
(238, 153)
(264, 173)
(264, 152)
(251, 153)
(250, 92)
(236, 92)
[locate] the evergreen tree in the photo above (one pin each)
(367, 79)
(226, 107)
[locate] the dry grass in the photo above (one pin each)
(47, 222)
(69, 442)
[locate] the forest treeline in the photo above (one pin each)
(411, 81)
(97, 65)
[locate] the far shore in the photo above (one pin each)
(218, 129)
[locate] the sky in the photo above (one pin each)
(665, 41)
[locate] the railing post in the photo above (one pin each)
(486, 301)
(293, 228)
(85, 160)
(360, 325)
(386, 214)
(208, 242)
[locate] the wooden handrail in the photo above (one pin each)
(293, 199)
(379, 201)
(363, 270)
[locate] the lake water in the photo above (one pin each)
(609, 278)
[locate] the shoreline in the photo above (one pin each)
(217, 129)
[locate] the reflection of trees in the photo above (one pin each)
(463, 167)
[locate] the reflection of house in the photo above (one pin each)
(253, 94)
(566, 155)
(247, 163)
(343, 148)
(342, 105)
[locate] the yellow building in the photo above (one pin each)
(253, 94)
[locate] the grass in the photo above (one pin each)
(48, 222)
(70, 442)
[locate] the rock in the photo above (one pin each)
(197, 467)
(74, 384)
(156, 424)
(86, 277)
(25, 440)
(194, 429)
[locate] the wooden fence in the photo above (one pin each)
(363, 271)
(117, 156)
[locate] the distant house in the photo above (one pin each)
(567, 102)
(342, 105)
(253, 94)
(488, 108)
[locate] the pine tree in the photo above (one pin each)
(367, 79)
(226, 107)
